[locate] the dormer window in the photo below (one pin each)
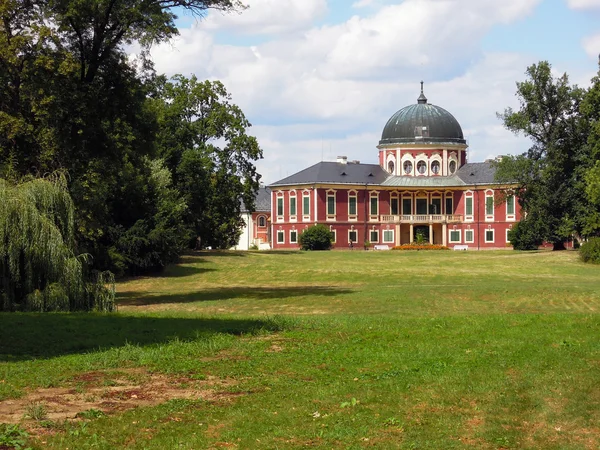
(422, 167)
(391, 167)
(408, 167)
(435, 167)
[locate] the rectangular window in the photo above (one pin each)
(394, 207)
(436, 206)
(374, 206)
(280, 237)
(280, 206)
(454, 236)
(406, 206)
(421, 206)
(292, 206)
(388, 236)
(306, 205)
(293, 236)
(334, 234)
(489, 235)
(449, 206)
(510, 205)
(331, 205)
(469, 206)
(469, 236)
(352, 206)
(374, 236)
(489, 206)
(353, 236)
(507, 235)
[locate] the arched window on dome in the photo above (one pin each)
(422, 167)
(435, 167)
(408, 167)
(391, 167)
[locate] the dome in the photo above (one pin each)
(422, 122)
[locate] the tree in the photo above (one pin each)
(549, 174)
(317, 237)
(70, 99)
(204, 142)
(38, 266)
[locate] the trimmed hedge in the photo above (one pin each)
(589, 252)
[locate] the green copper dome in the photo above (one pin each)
(422, 122)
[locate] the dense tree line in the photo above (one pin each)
(558, 178)
(153, 165)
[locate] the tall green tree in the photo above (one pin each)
(549, 175)
(203, 139)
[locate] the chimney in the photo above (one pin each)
(355, 161)
(342, 159)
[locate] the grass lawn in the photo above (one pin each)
(344, 350)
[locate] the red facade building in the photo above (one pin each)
(422, 189)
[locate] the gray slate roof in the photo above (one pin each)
(336, 173)
(262, 200)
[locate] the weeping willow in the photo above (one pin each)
(39, 269)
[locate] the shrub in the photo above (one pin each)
(589, 252)
(525, 235)
(317, 237)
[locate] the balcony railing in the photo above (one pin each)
(422, 218)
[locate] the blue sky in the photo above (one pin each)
(319, 78)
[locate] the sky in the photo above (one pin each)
(320, 78)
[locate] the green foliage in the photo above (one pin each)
(525, 235)
(589, 251)
(548, 176)
(316, 237)
(194, 116)
(71, 99)
(13, 436)
(39, 268)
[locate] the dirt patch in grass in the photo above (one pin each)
(111, 392)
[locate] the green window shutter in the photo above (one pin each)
(352, 206)
(469, 206)
(373, 206)
(489, 206)
(330, 205)
(455, 236)
(374, 236)
(510, 205)
(469, 235)
(280, 207)
(292, 206)
(306, 206)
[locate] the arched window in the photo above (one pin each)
(391, 167)
(422, 167)
(262, 221)
(435, 167)
(452, 167)
(408, 167)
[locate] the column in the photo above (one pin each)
(431, 233)
(444, 234)
(412, 234)
(398, 235)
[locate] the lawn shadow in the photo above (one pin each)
(213, 294)
(179, 271)
(26, 336)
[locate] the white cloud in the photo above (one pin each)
(591, 45)
(583, 4)
(329, 90)
(269, 17)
